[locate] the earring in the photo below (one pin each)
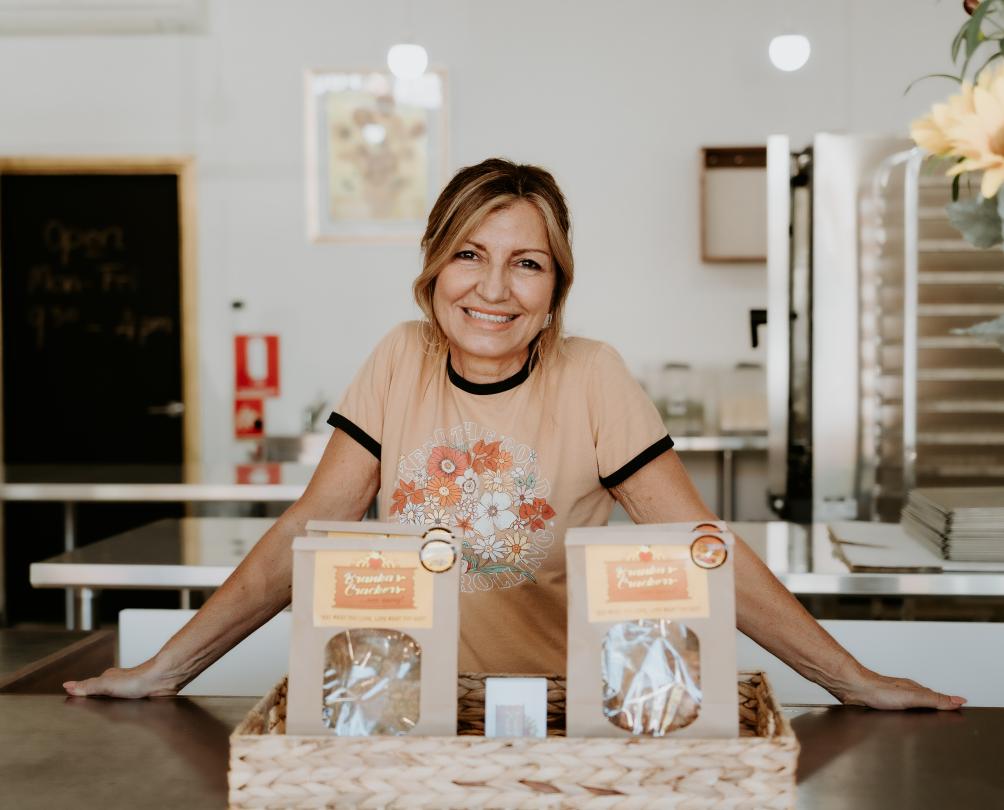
(547, 320)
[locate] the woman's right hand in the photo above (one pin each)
(343, 485)
(135, 682)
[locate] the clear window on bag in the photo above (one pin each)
(371, 683)
(651, 676)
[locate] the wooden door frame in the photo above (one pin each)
(184, 168)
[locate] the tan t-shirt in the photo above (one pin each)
(510, 466)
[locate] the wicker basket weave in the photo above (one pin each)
(756, 770)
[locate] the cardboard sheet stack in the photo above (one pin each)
(958, 523)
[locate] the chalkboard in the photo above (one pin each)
(91, 292)
(96, 360)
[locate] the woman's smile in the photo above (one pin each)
(493, 297)
(490, 318)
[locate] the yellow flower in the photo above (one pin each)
(928, 134)
(932, 131)
(972, 126)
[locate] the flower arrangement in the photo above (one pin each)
(967, 130)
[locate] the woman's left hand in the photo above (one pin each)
(882, 692)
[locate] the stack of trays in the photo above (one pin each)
(958, 523)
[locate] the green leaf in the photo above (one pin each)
(974, 31)
(955, 187)
(978, 220)
(957, 42)
(989, 331)
(496, 568)
(505, 568)
(957, 79)
(974, 34)
(996, 55)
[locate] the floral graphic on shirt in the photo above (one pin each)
(406, 494)
(443, 490)
(489, 490)
(446, 461)
(537, 513)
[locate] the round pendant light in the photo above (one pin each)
(789, 52)
(407, 60)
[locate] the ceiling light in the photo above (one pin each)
(407, 60)
(789, 52)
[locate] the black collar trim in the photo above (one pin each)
(490, 388)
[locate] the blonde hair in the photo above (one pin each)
(473, 194)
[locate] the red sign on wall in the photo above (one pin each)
(267, 473)
(249, 417)
(256, 363)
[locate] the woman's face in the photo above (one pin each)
(492, 297)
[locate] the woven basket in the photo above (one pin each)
(756, 770)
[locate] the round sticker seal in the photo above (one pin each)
(709, 551)
(437, 554)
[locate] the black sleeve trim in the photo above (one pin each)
(635, 464)
(336, 420)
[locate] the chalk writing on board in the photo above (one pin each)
(69, 240)
(87, 261)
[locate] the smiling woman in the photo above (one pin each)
(487, 419)
(497, 252)
(494, 296)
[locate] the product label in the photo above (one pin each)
(371, 589)
(644, 582)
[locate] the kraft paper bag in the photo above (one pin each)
(651, 631)
(375, 631)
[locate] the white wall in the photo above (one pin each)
(615, 97)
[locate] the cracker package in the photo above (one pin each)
(651, 631)
(375, 630)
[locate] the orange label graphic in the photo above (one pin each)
(374, 588)
(625, 583)
(371, 589)
(645, 581)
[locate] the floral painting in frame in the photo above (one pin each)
(376, 154)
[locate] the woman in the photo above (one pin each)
(487, 419)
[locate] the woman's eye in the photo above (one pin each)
(529, 263)
(466, 254)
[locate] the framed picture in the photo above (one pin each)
(376, 154)
(734, 204)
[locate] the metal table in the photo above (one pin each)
(172, 752)
(726, 448)
(199, 553)
(802, 558)
(70, 485)
(174, 554)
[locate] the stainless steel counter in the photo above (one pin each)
(200, 553)
(802, 558)
(174, 553)
(243, 483)
(172, 752)
(190, 483)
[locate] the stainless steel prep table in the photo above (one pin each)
(725, 448)
(70, 485)
(200, 553)
(172, 752)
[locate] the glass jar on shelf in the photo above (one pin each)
(679, 400)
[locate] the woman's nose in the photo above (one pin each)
(493, 285)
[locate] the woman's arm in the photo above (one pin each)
(662, 492)
(342, 487)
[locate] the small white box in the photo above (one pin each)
(515, 707)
